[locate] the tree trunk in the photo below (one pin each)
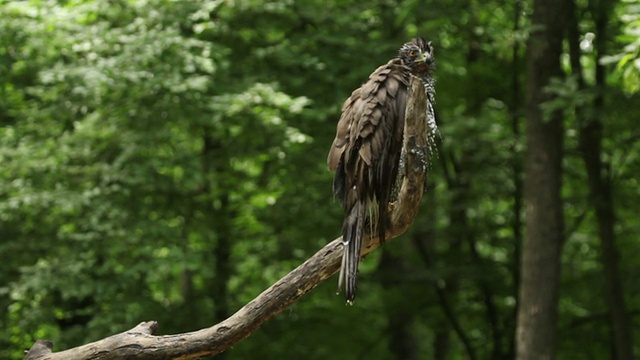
(423, 241)
(400, 317)
(222, 256)
(442, 294)
(516, 171)
(218, 210)
(441, 342)
(540, 272)
(599, 179)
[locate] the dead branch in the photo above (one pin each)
(140, 343)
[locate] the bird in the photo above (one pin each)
(366, 152)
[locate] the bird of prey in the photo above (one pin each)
(366, 152)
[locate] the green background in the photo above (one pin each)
(165, 160)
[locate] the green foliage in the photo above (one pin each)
(138, 138)
(628, 61)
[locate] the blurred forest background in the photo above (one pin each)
(165, 160)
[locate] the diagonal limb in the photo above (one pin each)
(140, 343)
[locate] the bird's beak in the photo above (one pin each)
(426, 58)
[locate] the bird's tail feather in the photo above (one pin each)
(352, 234)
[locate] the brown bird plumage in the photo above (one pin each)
(366, 151)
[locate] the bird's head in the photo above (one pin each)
(417, 54)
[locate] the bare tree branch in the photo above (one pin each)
(140, 343)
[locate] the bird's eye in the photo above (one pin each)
(412, 53)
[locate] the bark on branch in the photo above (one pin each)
(140, 343)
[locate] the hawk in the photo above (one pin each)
(366, 152)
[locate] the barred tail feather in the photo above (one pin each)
(352, 234)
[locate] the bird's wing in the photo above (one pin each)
(343, 129)
(365, 156)
(369, 135)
